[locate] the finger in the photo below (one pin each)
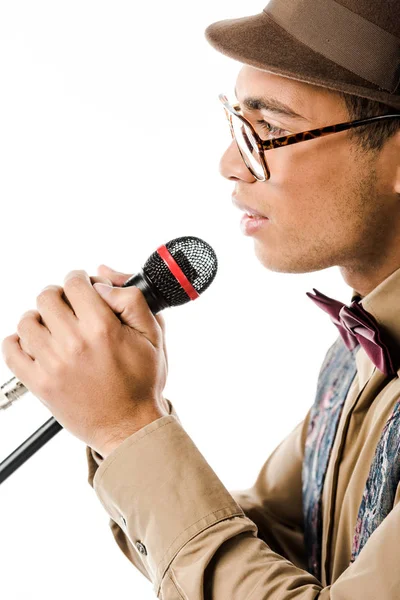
(132, 309)
(56, 311)
(23, 342)
(118, 279)
(33, 337)
(89, 308)
(22, 365)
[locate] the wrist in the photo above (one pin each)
(125, 430)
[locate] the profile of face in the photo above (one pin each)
(328, 203)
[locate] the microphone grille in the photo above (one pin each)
(197, 260)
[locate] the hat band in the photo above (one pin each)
(342, 36)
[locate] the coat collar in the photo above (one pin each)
(383, 303)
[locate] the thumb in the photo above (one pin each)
(117, 278)
(97, 279)
(103, 289)
(130, 305)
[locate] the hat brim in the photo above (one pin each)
(258, 41)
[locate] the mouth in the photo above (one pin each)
(250, 212)
(254, 215)
(250, 225)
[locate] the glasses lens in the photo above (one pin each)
(248, 147)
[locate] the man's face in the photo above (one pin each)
(327, 203)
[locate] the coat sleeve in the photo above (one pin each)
(273, 505)
(195, 541)
(94, 460)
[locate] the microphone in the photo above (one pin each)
(177, 272)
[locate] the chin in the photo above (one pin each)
(290, 264)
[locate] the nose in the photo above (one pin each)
(232, 165)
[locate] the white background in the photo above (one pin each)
(110, 136)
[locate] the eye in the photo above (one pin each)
(275, 131)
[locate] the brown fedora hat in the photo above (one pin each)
(351, 46)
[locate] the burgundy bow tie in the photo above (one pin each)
(357, 326)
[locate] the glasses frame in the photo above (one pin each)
(293, 138)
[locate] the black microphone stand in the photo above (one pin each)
(29, 447)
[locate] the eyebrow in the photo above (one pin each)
(272, 105)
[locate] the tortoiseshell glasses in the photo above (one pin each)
(252, 147)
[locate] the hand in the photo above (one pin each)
(116, 278)
(97, 362)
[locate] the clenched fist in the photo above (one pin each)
(95, 356)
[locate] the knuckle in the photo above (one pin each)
(29, 314)
(46, 296)
(102, 329)
(137, 297)
(25, 324)
(76, 346)
(56, 369)
(137, 292)
(73, 281)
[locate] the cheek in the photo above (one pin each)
(310, 189)
(316, 163)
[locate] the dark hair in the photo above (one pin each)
(371, 137)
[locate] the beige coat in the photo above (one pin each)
(177, 523)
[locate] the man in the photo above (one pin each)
(323, 517)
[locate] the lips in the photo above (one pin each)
(246, 208)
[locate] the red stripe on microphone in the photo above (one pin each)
(177, 272)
